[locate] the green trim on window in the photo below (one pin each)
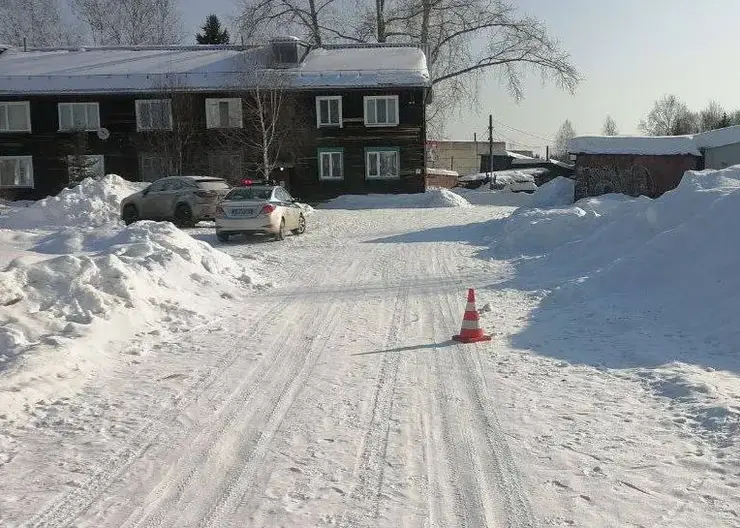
(329, 150)
(368, 150)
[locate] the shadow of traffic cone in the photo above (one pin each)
(471, 332)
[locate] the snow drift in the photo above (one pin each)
(655, 279)
(431, 198)
(137, 268)
(557, 192)
(82, 279)
(91, 203)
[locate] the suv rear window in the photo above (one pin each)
(249, 193)
(212, 185)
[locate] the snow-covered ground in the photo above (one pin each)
(608, 396)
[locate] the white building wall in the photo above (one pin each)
(721, 157)
(460, 156)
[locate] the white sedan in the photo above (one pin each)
(259, 209)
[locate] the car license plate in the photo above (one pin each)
(242, 212)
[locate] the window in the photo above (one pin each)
(16, 171)
(249, 193)
(15, 117)
(224, 113)
(331, 164)
(382, 163)
(153, 114)
(152, 167)
(79, 116)
(80, 167)
(283, 195)
(381, 110)
(226, 164)
(329, 111)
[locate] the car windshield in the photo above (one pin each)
(249, 193)
(213, 185)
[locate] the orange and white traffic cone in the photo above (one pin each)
(471, 332)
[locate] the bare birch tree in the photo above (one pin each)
(41, 22)
(462, 39)
(566, 132)
(265, 107)
(130, 22)
(669, 117)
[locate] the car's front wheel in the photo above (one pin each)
(222, 237)
(130, 214)
(301, 225)
(184, 216)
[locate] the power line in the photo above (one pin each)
(549, 140)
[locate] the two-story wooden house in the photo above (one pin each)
(326, 121)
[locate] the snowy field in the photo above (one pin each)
(155, 377)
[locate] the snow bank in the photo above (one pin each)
(655, 279)
(93, 202)
(135, 268)
(483, 195)
(557, 192)
(429, 199)
(122, 277)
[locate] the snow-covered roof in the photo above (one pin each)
(639, 145)
(139, 69)
(518, 175)
(655, 145)
(718, 138)
(517, 156)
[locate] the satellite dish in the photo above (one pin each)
(103, 133)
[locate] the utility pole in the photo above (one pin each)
(490, 152)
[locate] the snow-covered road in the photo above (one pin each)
(336, 398)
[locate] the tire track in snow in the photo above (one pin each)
(489, 488)
(255, 428)
(364, 500)
(67, 507)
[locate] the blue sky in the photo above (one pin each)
(629, 52)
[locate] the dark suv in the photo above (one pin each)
(183, 199)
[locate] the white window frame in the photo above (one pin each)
(375, 99)
(87, 128)
(235, 112)
(142, 102)
(99, 159)
(329, 98)
(29, 160)
(378, 152)
(329, 152)
(4, 109)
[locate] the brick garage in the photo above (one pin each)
(633, 174)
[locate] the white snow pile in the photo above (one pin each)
(557, 192)
(91, 203)
(655, 279)
(484, 195)
(431, 199)
(75, 279)
(137, 268)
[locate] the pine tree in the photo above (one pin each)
(213, 33)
